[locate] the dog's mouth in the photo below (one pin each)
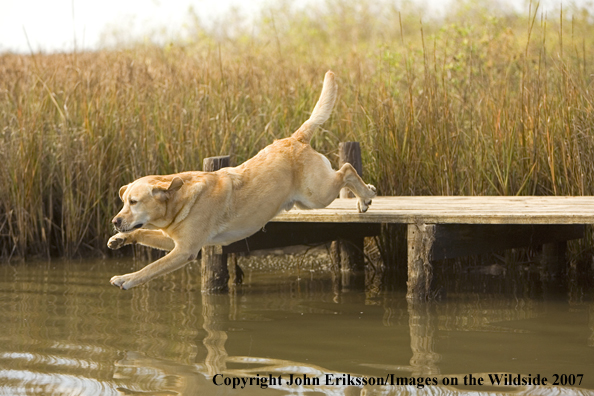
(129, 229)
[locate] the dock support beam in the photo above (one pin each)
(215, 274)
(348, 253)
(553, 259)
(420, 239)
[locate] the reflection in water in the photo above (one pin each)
(423, 325)
(66, 331)
(138, 373)
(591, 326)
(215, 309)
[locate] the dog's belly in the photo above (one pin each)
(248, 221)
(229, 236)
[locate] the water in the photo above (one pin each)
(65, 330)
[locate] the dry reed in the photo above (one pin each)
(471, 104)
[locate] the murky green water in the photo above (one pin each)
(65, 330)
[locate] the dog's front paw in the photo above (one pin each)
(124, 282)
(117, 241)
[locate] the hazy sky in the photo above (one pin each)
(56, 25)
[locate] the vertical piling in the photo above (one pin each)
(420, 239)
(553, 257)
(348, 253)
(556, 275)
(212, 164)
(350, 152)
(215, 274)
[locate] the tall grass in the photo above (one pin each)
(478, 102)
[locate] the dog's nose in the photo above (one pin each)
(117, 222)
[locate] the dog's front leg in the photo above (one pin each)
(177, 258)
(151, 238)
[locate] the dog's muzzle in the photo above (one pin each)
(118, 224)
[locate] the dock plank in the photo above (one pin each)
(454, 210)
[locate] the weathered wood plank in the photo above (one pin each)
(452, 210)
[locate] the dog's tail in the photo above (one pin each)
(321, 112)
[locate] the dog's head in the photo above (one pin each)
(145, 202)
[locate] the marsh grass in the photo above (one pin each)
(476, 103)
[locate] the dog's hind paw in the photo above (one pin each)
(363, 205)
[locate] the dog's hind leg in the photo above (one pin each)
(351, 180)
(322, 185)
(151, 238)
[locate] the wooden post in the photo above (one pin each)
(553, 258)
(420, 238)
(215, 274)
(348, 253)
(395, 254)
(554, 275)
(212, 164)
(350, 152)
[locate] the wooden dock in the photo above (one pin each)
(437, 227)
(430, 228)
(453, 210)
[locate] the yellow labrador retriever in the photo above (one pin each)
(183, 212)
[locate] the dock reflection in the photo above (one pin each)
(425, 323)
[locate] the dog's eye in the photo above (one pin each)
(133, 202)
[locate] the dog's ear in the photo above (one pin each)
(163, 191)
(122, 191)
(175, 185)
